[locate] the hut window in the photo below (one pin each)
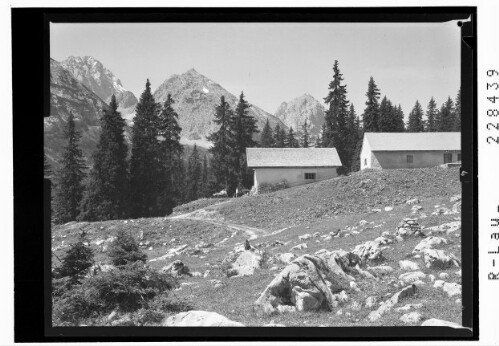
(410, 159)
(310, 176)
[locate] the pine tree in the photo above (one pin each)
(222, 144)
(106, 195)
(242, 127)
(205, 188)
(371, 113)
(124, 249)
(194, 175)
(69, 178)
(385, 121)
(336, 118)
(291, 141)
(77, 261)
(305, 137)
(353, 136)
(431, 116)
(277, 137)
(266, 140)
(447, 119)
(144, 162)
(416, 119)
(457, 112)
(170, 152)
(400, 127)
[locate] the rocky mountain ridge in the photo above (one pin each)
(294, 113)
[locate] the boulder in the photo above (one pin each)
(443, 276)
(369, 251)
(408, 265)
(439, 259)
(452, 289)
(448, 228)
(412, 277)
(285, 257)
(412, 201)
(307, 283)
(411, 317)
(388, 304)
(299, 247)
(176, 268)
(429, 243)
(381, 270)
(305, 236)
(246, 263)
(435, 322)
(439, 283)
(199, 319)
(409, 228)
(371, 301)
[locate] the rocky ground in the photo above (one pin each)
(374, 248)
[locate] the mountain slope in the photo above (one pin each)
(69, 95)
(102, 82)
(295, 112)
(196, 97)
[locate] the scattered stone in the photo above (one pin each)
(431, 277)
(285, 257)
(429, 243)
(443, 276)
(408, 265)
(416, 208)
(459, 301)
(299, 247)
(452, 289)
(385, 234)
(199, 319)
(411, 277)
(435, 322)
(376, 210)
(448, 228)
(439, 259)
(362, 222)
(411, 317)
(316, 234)
(371, 301)
(339, 312)
(196, 274)
(455, 198)
(305, 236)
(282, 309)
(399, 238)
(206, 273)
(381, 270)
(458, 273)
(388, 304)
(369, 251)
(246, 263)
(439, 283)
(355, 306)
(388, 208)
(409, 228)
(407, 307)
(412, 201)
(353, 285)
(176, 268)
(271, 324)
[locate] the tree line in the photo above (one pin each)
(150, 181)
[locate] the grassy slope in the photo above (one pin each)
(322, 207)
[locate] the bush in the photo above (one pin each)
(125, 249)
(77, 261)
(266, 187)
(129, 288)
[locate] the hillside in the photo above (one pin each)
(391, 283)
(196, 97)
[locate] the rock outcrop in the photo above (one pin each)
(199, 319)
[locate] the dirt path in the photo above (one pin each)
(211, 216)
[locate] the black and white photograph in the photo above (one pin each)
(255, 174)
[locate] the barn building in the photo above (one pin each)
(388, 150)
(296, 166)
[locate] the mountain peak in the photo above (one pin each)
(305, 107)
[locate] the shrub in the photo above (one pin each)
(125, 249)
(77, 261)
(266, 187)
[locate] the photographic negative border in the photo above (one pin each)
(30, 45)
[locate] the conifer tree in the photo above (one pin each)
(385, 120)
(353, 136)
(266, 140)
(242, 127)
(205, 188)
(305, 137)
(69, 177)
(77, 261)
(170, 152)
(222, 144)
(400, 127)
(416, 119)
(457, 112)
(106, 195)
(277, 137)
(446, 116)
(336, 117)
(144, 163)
(194, 172)
(321, 137)
(291, 141)
(371, 112)
(431, 116)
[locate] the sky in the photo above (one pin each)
(276, 62)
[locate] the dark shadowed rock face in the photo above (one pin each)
(295, 112)
(102, 82)
(196, 97)
(69, 95)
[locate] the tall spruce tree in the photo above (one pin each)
(371, 112)
(242, 126)
(222, 144)
(266, 140)
(145, 172)
(416, 119)
(106, 196)
(205, 177)
(353, 136)
(277, 137)
(457, 112)
(336, 118)
(385, 120)
(305, 137)
(400, 127)
(446, 116)
(194, 175)
(170, 152)
(69, 177)
(291, 141)
(431, 116)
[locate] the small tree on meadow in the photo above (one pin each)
(125, 249)
(78, 259)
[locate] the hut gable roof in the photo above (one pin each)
(413, 141)
(292, 157)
